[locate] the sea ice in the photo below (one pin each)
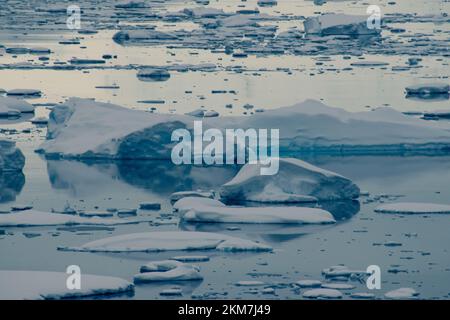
(323, 294)
(167, 270)
(428, 89)
(338, 24)
(15, 104)
(11, 158)
(296, 181)
(32, 285)
(309, 283)
(170, 241)
(24, 92)
(198, 194)
(402, 294)
(414, 208)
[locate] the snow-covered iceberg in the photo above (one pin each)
(37, 285)
(213, 211)
(296, 181)
(11, 158)
(170, 241)
(338, 24)
(414, 208)
(83, 128)
(167, 270)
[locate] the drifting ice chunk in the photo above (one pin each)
(190, 258)
(167, 270)
(186, 204)
(267, 3)
(428, 89)
(52, 285)
(338, 286)
(16, 104)
(215, 212)
(309, 283)
(296, 181)
(170, 241)
(322, 294)
(414, 208)
(402, 293)
(30, 218)
(153, 74)
(11, 158)
(338, 24)
(141, 35)
(183, 194)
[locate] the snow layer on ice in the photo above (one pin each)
(170, 241)
(296, 181)
(213, 211)
(167, 270)
(428, 89)
(414, 208)
(52, 285)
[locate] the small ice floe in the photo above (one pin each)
(126, 212)
(210, 114)
(16, 104)
(170, 241)
(249, 283)
(198, 210)
(130, 5)
(338, 24)
(37, 285)
(183, 194)
(267, 3)
(428, 89)
(191, 258)
(338, 286)
(342, 272)
(309, 283)
(144, 35)
(87, 61)
(24, 92)
(167, 270)
(322, 294)
(186, 204)
(369, 64)
(40, 50)
(435, 115)
(414, 208)
(362, 295)
(402, 294)
(11, 158)
(21, 207)
(39, 120)
(296, 181)
(198, 113)
(172, 292)
(30, 218)
(153, 74)
(150, 206)
(17, 50)
(96, 213)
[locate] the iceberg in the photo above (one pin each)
(338, 24)
(170, 241)
(82, 128)
(296, 181)
(414, 208)
(11, 158)
(214, 211)
(38, 285)
(167, 270)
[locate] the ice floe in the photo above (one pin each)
(309, 283)
(170, 241)
(323, 294)
(402, 294)
(213, 211)
(296, 181)
(338, 24)
(198, 194)
(11, 158)
(7, 103)
(32, 285)
(414, 208)
(167, 270)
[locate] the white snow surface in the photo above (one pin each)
(167, 270)
(296, 181)
(37, 285)
(170, 241)
(414, 208)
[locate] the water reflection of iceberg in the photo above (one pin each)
(11, 184)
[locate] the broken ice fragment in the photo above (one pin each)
(167, 270)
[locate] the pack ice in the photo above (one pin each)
(11, 158)
(338, 24)
(296, 181)
(81, 128)
(213, 211)
(170, 241)
(37, 285)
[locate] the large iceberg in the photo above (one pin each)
(11, 158)
(37, 285)
(296, 181)
(82, 128)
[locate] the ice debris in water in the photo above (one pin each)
(402, 293)
(296, 181)
(167, 270)
(24, 92)
(322, 294)
(191, 258)
(32, 285)
(213, 211)
(338, 24)
(183, 194)
(414, 208)
(153, 74)
(428, 89)
(13, 104)
(170, 241)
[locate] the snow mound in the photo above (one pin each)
(82, 128)
(33, 285)
(213, 211)
(170, 241)
(296, 181)
(338, 24)
(414, 208)
(11, 158)
(402, 294)
(322, 294)
(167, 270)
(28, 218)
